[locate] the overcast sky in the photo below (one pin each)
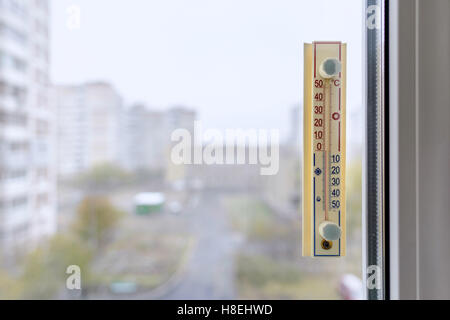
(239, 63)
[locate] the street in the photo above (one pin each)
(210, 271)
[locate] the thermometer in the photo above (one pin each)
(324, 149)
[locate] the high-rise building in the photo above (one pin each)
(143, 139)
(180, 117)
(145, 136)
(88, 126)
(27, 126)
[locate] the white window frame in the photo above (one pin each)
(419, 148)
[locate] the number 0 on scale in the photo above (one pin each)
(324, 150)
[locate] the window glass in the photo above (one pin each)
(106, 202)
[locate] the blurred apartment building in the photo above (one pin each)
(145, 136)
(95, 128)
(180, 117)
(88, 117)
(144, 139)
(27, 126)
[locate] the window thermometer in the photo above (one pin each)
(324, 149)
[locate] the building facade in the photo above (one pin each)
(146, 133)
(143, 140)
(88, 118)
(27, 126)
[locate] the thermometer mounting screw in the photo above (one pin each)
(327, 245)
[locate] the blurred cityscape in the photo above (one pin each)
(87, 180)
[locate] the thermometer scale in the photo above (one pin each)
(324, 150)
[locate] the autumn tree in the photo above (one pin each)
(95, 220)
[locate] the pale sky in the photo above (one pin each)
(239, 63)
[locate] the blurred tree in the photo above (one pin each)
(44, 274)
(96, 218)
(10, 287)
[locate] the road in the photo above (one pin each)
(210, 271)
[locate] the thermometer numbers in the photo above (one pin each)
(336, 193)
(335, 204)
(335, 158)
(318, 109)
(318, 97)
(318, 127)
(335, 170)
(335, 181)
